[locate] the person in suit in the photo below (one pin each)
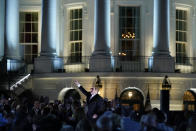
(94, 102)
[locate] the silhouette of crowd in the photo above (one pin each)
(30, 113)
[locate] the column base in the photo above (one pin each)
(14, 65)
(3, 66)
(44, 64)
(100, 63)
(161, 64)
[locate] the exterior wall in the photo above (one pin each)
(2, 18)
(62, 34)
(52, 84)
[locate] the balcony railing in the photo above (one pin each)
(76, 64)
(128, 64)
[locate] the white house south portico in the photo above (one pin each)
(128, 43)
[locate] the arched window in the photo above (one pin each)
(189, 100)
(132, 96)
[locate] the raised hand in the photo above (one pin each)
(77, 83)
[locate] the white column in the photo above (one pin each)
(2, 19)
(48, 60)
(161, 27)
(102, 27)
(48, 36)
(101, 57)
(12, 30)
(161, 60)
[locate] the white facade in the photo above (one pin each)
(146, 26)
(53, 84)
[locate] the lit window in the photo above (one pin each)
(76, 52)
(189, 101)
(181, 36)
(29, 35)
(129, 33)
(76, 35)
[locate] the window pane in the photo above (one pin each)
(75, 24)
(21, 27)
(80, 35)
(22, 37)
(184, 15)
(75, 13)
(34, 27)
(28, 38)
(181, 53)
(80, 47)
(77, 47)
(177, 36)
(27, 27)
(80, 13)
(177, 25)
(180, 25)
(34, 16)
(35, 49)
(180, 36)
(71, 36)
(185, 37)
(34, 38)
(122, 11)
(129, 12)
(80, 24)
(28, 17)
(130, 22)
(22, 16)
(71, 25)
(75, 35)
(71, 14)
(180, 15)
(184, 25)
(72, 47)
(28, 49)
(177, 14)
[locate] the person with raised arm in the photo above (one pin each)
(94, 102)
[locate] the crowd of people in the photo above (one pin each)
(39, 114)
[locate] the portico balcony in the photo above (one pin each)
(128, 64)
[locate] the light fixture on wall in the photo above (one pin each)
(122, 54)
(130, 94)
